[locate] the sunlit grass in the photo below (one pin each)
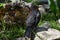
(53, 23)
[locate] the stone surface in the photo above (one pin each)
(51, 34)
(41, 9)
(58, 20)
(23, 38)
(20, 39)
(47, 33)
(28, 4)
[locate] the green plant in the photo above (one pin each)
(53, 7)
(28, 1)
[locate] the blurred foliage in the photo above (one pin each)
(58, 4)
(53, 6)
(12, 32)
(50, 16)
(28, 1)
(1, 5)
(54, 25)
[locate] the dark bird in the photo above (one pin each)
(32, 22)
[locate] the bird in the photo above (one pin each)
(32, 21)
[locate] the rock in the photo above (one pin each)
(41, 9)
(23, 38)
(20, 39)
(46, 24)
(58, 20)
(51, 34)
(45, 32)
(28, 4)
(46, 6)
(44, 27)
(14, 1)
